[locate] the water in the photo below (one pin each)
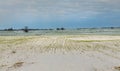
(62, 32)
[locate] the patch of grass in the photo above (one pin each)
(12, 40)
(117, 68)
(18, 64)
(13, 52)
(3, 65)
(93, 40)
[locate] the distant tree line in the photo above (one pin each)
(60, 28)
(26, 29)
(101, 28)
(9, 29)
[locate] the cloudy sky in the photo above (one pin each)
(59, 13)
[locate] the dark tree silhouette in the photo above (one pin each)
(9, 29)
(62, 28)
(26, 29)
(57, 28)
(112, 27)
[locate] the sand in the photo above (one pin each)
(60, 53)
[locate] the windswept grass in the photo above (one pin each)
(14, 39)
(64, 43)
(93, 40)
(15, 51)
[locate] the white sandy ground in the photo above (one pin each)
(60, 53)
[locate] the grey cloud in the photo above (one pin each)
(58, 7)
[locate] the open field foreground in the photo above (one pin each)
(60, 53)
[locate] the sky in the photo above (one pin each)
(59, 13)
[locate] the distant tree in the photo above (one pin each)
(50, 29)
(62, 28)
(10, 29)
(112, 27)
(57, 28)
(26, 29)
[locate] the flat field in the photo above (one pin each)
(60, 53)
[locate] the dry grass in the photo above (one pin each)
(66, 43)
(117, 68)
(22, 47)
(18, 64)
